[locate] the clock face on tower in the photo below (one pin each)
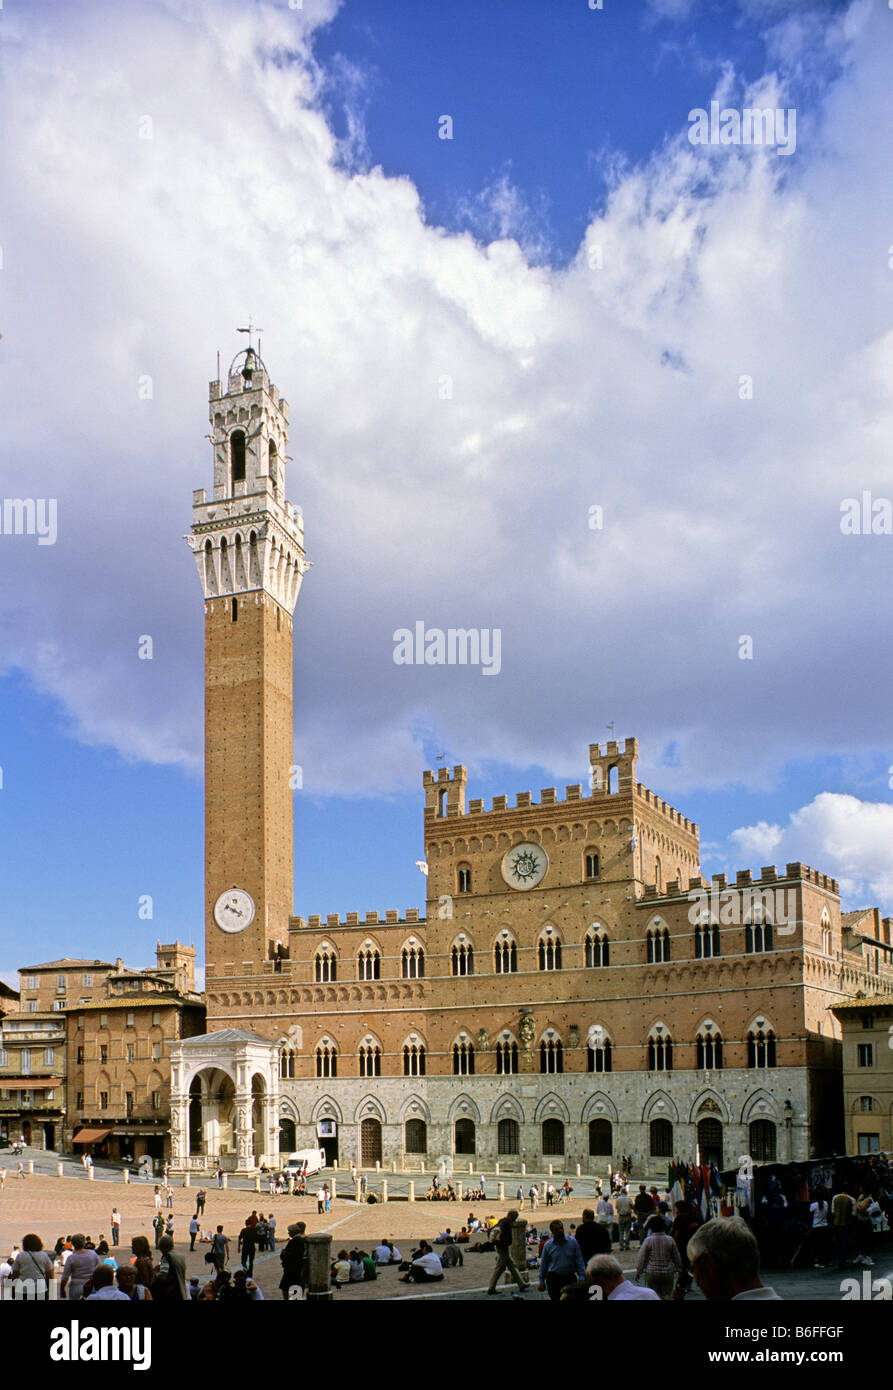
(524, 866)
(234, 910)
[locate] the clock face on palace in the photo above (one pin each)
(234, 910)
(524, 866)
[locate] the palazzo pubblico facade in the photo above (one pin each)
(575, 991)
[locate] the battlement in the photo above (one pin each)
(664, 808)
(354, 921)
(769, 877)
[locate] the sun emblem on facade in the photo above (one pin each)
(525, 865)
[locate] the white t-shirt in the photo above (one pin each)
(430, 1263)
(819, 1214)
(605, 1210)
(628, 1291)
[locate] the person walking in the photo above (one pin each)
(194, 1230)
(533, 1195)
(501, 1236)
(219, 1177)
(643, 1205)
(116, 1225)
(200, 1198)
(157, 1198)
(169, 1197)
(219, 1249)
(623, 1206)
(561, 1261)
(592, 1237)
(158, 1227)
(519, 1195)
(862, 1228)
(246, 1243)
(843, 1214)
(171, 1281)
(659, 1259)
(604, 1210)
(271, 1233)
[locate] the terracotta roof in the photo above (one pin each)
(132, 1001)
(67, 964)
(872, 1003)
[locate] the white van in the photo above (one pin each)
(306, 1161)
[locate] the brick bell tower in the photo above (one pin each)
(248, 543)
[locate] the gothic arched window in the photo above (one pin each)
(325, 965)
(551, 1056)
(326, 1058)
(462, 958)
(709, 1049)
(506, 1057)
(549, 951)
(463, 1058)
(761, 1048)
(598, 951)
(368, 963)
(505, 956)
(412, 961)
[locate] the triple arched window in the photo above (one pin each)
(412, 961)
(657, 945)
(505, 955)
(462, 957)
(325, 965)
(709, 1048)
(413, 1058)
(506, 1057)
(760, 1047)
(549, 950)
(287, 1064)
(660, 1049)
(551, 1056)
(757, 937)
(706, 940)
(326, 1058)
(599, 1051)
(463, 1057)
(370, 1058)
(368, 963)
(597, 948)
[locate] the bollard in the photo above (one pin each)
(384, 1189)
(90, 1173)
(519, 1248)
(31, 1166)
(225, 1181)
(358, 1192)
(551, 1170)
(394, 1166)
(257, 1183)
(501, 1192)
(319, 1261)
(186, 1179)
(126, 1176)
(523, 1169)
(411, 1196)
(497, 1170)
(333, 1191)
(579, 1170)
(60, 1170)
(378, 1165)
(334, 1163)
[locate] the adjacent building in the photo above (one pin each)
(867, 1028)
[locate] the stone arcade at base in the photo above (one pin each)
(576, 990)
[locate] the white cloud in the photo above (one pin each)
(841, 835)
(615, 386)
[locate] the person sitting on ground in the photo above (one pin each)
(245, 1290)
(341, 1269)
(444, 1238)
(451, 1255)
(725, 1261)
(426, 1268)
(607, 1281)
(369, 1270)
(356, 1267)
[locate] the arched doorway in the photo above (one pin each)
(710, 1141)
(465, 1137)
(370, 1142)
(212, 1114)
(508, 1137)
(660, 1133)
(287, 1140)
(26, 1133)
(416, 1137)
(258, 1106)
(553, 1137)
(601, 1135)
(763, 1141)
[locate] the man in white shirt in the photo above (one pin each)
(725, 1260)
(608, 1282)
(426, 1268)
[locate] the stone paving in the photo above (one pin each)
(52, 1206)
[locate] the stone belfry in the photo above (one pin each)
(248, 543)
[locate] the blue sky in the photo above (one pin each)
(295, 171)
